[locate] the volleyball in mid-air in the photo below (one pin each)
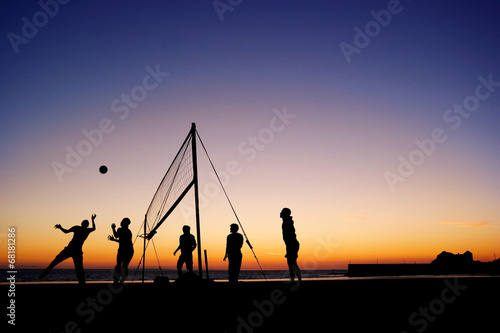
(103, 169)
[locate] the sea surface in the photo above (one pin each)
(68, 275)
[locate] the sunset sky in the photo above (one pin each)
(376, 122)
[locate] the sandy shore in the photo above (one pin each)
(433, 304)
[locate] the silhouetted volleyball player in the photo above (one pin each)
(292, 245)
(74, 249)
(125, 249)
(234, 243)
(187, 244)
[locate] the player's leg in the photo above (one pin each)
(189, 263)
(80, 273)
(63, 255)
(126, 260)
(180, 262)
(118, 268)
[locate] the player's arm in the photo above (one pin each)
(93, 223)
(193, 245)
(115, 233)
(111, 238)
(225, 255)
(178, 247)
(58, 226)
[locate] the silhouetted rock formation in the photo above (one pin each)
(448, 258)
(445, 263)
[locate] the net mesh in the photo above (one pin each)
(174, 185)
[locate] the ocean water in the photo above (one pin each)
(67, 275)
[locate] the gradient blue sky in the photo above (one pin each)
(352, 122)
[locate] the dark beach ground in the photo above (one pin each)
(413, 304)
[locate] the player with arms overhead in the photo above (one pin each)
(74, 249)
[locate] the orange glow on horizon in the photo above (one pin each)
(315, 253)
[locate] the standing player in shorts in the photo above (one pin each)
(234, 242)
(187, 244)
(292, 244)
(125, 250)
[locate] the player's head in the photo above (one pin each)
(285, 212)
(125, 222)
(186, 229)
(234, 227)
(85, 223)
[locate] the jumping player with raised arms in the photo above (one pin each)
(74, 249)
